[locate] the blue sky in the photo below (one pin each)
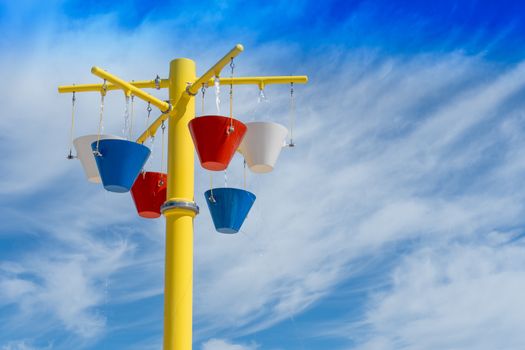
(400, 211)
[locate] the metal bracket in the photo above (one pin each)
(170, 107)
(188, 91)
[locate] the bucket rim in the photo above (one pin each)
(121, 140)
(153, 172)
(270, 122)
(231, 188)
(213, 115)
(106, 137)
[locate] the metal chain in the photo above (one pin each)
(125, 128)
(292, 115)
(203, 91)
(96, 152)
(217, 83)
(211, 198)
(70, 155)
(151, 137)
(232, 67)
(149, 109)
(132, 115)
(163, 127)
(262, 96)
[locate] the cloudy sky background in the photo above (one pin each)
(396, 222)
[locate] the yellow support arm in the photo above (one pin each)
(131, 89)
(262, 81)
(215, 71)
(142, 84)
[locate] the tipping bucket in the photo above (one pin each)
(229, 207)
(85, 154)
(149, 193)
(214, 145)
(262, 145)
(120, 163)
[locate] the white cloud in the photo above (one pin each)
(455, 297)
(221, 344)
(65, 286)
(23, 345)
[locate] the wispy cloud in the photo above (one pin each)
(23, 345)
(64, 286)
(221, 344)
(463, 296)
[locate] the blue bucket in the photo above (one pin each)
(229, 207)
(119, 163)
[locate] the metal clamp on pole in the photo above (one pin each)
(180, 204)
(169, 109)
(188, 90)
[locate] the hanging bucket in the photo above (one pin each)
(149, 193)
(262, 145)
(229, 207)
(120, 163)
(214, 145)
(85, 154)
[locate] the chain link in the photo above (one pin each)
(70, 155)
(96, 152)
(203, 91)
(231, 128)
(163, 127)
(149, 109)
(217, 83)
(125, 128)
(292, 115)
(131, 117)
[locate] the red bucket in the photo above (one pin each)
(149, 193)
(214, 141)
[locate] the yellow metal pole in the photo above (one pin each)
(179, 210)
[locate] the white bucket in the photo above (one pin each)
(262, 145)
(85, 154)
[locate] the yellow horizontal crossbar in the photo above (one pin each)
(131, 89)
(145, 84)
(261, 81)
(141, 84)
